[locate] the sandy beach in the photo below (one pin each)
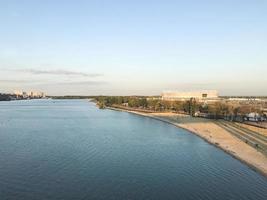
(214, 134)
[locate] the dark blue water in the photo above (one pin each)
(69, 149)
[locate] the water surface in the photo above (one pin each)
(69, 149)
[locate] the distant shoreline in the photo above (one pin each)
(226, 142)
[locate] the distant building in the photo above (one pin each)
(245, 99)
(255, 117)
(31, 94)
(125, 104)
(24, 95)
(153, 98)
(36, 94)
(18, 93)
(207, 95)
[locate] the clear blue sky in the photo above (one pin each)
(133, 47)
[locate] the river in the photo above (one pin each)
(69, 149)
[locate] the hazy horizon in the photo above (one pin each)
(133, 48)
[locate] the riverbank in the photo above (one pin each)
(214, 134)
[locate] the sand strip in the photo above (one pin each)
(215, 135)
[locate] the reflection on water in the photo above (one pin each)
(68, 149)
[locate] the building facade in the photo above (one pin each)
(206, 95)
(31, 94)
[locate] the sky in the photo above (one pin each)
(140, 47)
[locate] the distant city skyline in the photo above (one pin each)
(133, 48)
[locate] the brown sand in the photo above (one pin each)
(215, 135)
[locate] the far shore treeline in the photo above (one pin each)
(222, 108)
(217, 109)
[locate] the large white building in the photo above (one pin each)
(205, 95)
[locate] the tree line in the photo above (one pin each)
(192, 107)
